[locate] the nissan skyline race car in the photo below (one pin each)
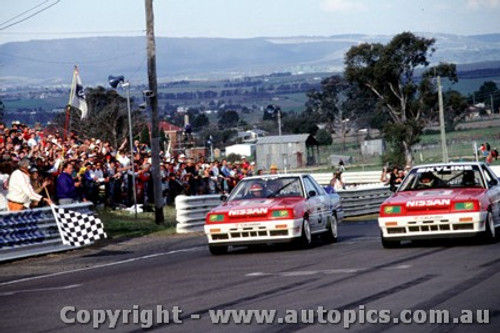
(273, 209)
(442, 200)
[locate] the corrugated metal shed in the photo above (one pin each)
(287, 151)
(284, 139)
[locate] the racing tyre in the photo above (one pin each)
(217, 250)
(305, 240)
(389, 244)
(332, 233)
(489, 234)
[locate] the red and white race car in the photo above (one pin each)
(442, 200)
(272, 209)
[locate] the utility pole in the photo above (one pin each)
(441, 121)
(279, 121)
(155, 126)
(491, 103)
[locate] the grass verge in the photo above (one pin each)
(123, 224)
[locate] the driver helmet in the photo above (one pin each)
(256, 189)
(426, 179)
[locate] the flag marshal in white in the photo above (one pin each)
(78, 229)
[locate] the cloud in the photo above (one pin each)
(341, 5)
(477, 4)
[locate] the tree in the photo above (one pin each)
(485, 91)
(107, 119)
(200, 121)
(324, 105)
(488, 93)
(324, 137)
(144, 137)
(298, 124)
(388, 72)
(228, 119)
(456, 109)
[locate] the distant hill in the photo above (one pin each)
(50, 62)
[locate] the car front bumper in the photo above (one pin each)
(432, 226)
(245, 233)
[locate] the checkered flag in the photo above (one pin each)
(78, 229)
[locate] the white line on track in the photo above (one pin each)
(9, 293)
(159, 254)
(327, 271)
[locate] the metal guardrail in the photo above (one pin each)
(350, 178)
(191, 211)
(363, 201)
(365, 177)
(33, 232)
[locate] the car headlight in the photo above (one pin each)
(466, 205)
(281, 214)
(215, 218)
(392, 209)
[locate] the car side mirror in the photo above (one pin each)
(493, 182)
(223, 198)
(312, 193)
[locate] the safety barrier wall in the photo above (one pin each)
(191, 211)
(366, 177)
(363, 200)
(33, 232)
(351, 178)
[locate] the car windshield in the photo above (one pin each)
(448, 176)
(268, 187)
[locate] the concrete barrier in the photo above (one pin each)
(33, 232)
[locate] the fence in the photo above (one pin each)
(33, 232)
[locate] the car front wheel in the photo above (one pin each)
(389, 244)
(217, 250)
(332, 233)
(305, 240)
(489, 234)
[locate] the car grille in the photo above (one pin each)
(414, 227)
(248, 233)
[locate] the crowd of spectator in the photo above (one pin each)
(65, 169)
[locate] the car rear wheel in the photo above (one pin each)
(489, 234)
(217, 250)
(331, 232)
(305, 240)
(389, 243)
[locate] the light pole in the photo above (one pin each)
(113, 82)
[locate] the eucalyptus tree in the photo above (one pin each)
(399, 76)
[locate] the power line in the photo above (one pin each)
(72, 32)
(26, 11)
(30, 16)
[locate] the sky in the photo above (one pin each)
(23, 20)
